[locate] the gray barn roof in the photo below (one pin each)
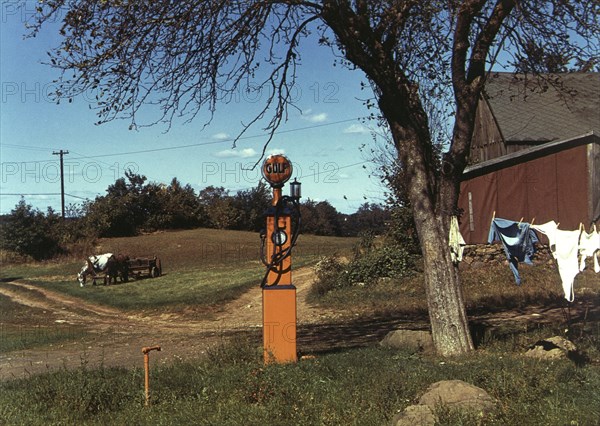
(528, 154)
(527, 111)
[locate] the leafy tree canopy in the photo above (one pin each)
(422, 59)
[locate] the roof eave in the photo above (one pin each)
(528, 154)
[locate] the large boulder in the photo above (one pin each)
(417, 340)
(553, 348)
(415, 415)
(452, 394)
(458, 394)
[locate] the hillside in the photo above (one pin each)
(191, 249)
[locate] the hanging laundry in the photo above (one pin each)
(517, 240)
(456, 241)
(589, 246)
(567, 243)
(547, 229)
(564, 246)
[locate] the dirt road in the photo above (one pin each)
(115, 338)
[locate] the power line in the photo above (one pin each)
(317, 173)
(76, 196)
(169, 148)
(338, 168)
(35, 194)
(29, 194)
(26, 147)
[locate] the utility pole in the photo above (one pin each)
(62, 180)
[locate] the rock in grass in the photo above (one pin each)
(553, 348)
(417, 340)
(456, 394)
(451, 394)
(415, 415)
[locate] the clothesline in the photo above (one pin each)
(517, 240)
(581, 225)
(569, 248)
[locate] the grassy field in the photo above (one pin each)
(358, 387)
(14, 335)
(490, 287)
(231, 385)
(200, 267)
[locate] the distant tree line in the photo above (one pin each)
(133, 205)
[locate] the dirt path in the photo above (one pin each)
(114, 338)
(72, 308)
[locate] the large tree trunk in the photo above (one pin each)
(449, 326)
(433, 199)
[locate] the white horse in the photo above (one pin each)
(94, 264)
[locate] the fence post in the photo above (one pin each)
(145, 351)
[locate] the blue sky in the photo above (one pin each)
(322, 140)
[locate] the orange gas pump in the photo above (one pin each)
(278, 240)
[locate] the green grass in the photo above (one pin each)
(183, 250)
(196, 248)
(201, 267)
(232, 386)
(26, 327)
(207, 286)
(359, 387)
(204, 287)
(27, 337)
(488, 289)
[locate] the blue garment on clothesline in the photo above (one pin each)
(517, 240)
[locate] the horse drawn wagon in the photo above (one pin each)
(108, 267)
(144, 266)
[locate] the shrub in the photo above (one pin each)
(389, 261)
(330, 272)
(28, 232)
(383, 262)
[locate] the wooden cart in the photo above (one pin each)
(144, 266)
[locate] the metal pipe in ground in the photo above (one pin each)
(146, 352)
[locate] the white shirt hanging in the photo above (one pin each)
(456, 241)
(589, 246)
(564, 246)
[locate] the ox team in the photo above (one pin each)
(106, 263)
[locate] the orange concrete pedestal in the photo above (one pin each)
(279, 324)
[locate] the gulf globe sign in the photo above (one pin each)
(277, 169)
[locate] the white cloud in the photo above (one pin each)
(356, 129)
(220, 136)
(236, 153)
(315, 118)
(318, 118)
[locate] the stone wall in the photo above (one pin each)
(478, 255)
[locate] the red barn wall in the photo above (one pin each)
(553, 187)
